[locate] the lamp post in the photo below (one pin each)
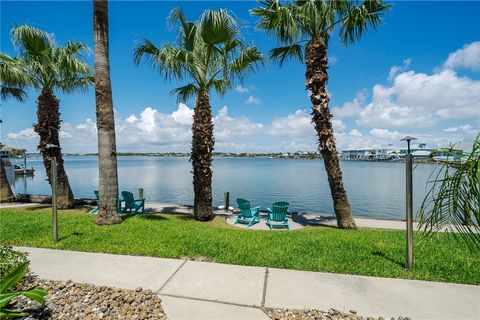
(53, 182)
(409, 202)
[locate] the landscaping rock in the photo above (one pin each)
(312, 314)
(69, 300)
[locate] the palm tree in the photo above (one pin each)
(107, 149)
(304, 28)
(211, 55)
(49, 67)
(13, 80)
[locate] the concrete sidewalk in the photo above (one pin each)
(202, 290)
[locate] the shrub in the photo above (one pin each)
(10, 259)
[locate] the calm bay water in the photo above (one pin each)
(375, 189)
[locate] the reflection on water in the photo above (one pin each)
(375, 189)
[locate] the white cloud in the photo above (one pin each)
(183, 115)
(338, 125)
(226, 127)
(422, 100)
(469, 129)
(241, 89)
(451, 129)
(298, 124)
(253, 100)
(397, 69)
(385, 134)
(356, 133)
(467, 57)
(351, 108)
(28, 133)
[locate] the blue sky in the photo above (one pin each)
(418, 74)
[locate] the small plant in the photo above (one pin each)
(9, 259)
(453, 199)
(7, 294)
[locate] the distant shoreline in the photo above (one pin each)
(291, 156)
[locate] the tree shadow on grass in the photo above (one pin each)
(73, 234)
(153, 217)
(383, 255)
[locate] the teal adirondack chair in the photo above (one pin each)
(95, 210)
(132, 205)
(277, 215)
(247, 214)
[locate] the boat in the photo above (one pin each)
(24, 172)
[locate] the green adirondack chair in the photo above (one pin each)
(132, 205)
(277, 215)
(247, 214)
(95, 210)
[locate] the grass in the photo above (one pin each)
(363, 252)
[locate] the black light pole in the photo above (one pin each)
(409, 201)
(53, 182)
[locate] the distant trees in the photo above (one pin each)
(46, 67)
(304, 28)
(211, 55)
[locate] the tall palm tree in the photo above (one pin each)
(13, 80)
(304, 28)
(48, 68)
(211, 55)
(107, 148)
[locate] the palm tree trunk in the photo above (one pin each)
(6, 194)
(316, 81)
(107, 149)
(48, 128)
(202, 148)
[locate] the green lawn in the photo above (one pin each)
(365, 252)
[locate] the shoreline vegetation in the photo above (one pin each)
(369, 252)
(276, 155)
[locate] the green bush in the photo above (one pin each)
(8, 294)
(10, 259)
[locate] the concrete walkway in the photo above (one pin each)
(203, 290)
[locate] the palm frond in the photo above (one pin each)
(170, 60)
(12, 71)
(31, 41)
(248, 60)
(210, 53)
(186, 92)
(45, 64)
(453, 199)
(360, 18)
(13, 92)
(187, 31)
(281, 54)
(221, 85)
(217, 26)
(278, 20)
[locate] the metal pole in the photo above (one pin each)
(54, 198)
(409, 211)
(140, 193)
(226, 200)
(25, 163)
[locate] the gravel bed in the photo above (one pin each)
(70, 300)
(313, 314)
